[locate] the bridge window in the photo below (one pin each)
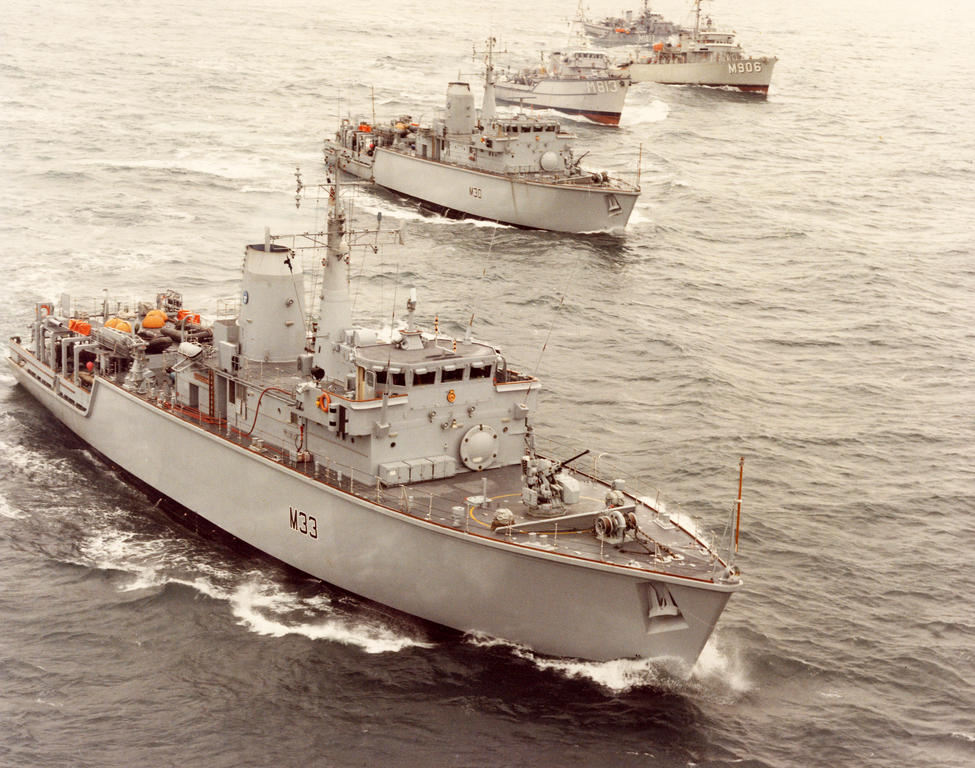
(480, 370)
(422, 376)
(452, 374)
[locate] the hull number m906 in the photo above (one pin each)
(741, 67)
(303, 523)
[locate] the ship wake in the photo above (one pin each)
(259, 601)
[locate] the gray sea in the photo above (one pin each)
(796, 286)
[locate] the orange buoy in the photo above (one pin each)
(155, 318)
(119, 325)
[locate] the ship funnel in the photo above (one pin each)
(272, 323)
(460, 108)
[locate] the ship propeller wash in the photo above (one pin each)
(397, 463)
(519, 170)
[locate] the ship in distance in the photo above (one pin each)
(583, 83)
(644, 28)
(399, 463)
(704, 56)
(520, 170)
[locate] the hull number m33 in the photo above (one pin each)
(303, 523)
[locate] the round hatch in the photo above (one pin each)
(479, 447)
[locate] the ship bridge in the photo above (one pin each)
(397, 367)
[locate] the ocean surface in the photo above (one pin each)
(796, 286)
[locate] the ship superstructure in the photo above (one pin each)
(705, 56)
(577, 83)
(644, 28)
(400, 463)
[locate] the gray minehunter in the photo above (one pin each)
(399, 464)
(516, 170)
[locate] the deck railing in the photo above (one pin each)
(416, 501)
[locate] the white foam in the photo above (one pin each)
(643, 114)
(23, 460)
(642, 214)
(716, 666)
(618, 675)
(713, 668)
(255, 606)
(259, 603)
(7, 511)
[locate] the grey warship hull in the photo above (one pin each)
(518, 170)
(751, 75)
(419, 559)
(397, 463)
(530, 203)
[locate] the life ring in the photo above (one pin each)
(324, 401)
(451, 395)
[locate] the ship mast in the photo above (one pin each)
(335, 308)
(487, 105)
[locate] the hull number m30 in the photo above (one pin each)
(303, 523)
(475, 192)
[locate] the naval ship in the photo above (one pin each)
(577, 83)
(645, 29)
(518, 170)
(397, 463)
(702, 56)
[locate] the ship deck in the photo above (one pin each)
(468, 502)
(668, 547)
